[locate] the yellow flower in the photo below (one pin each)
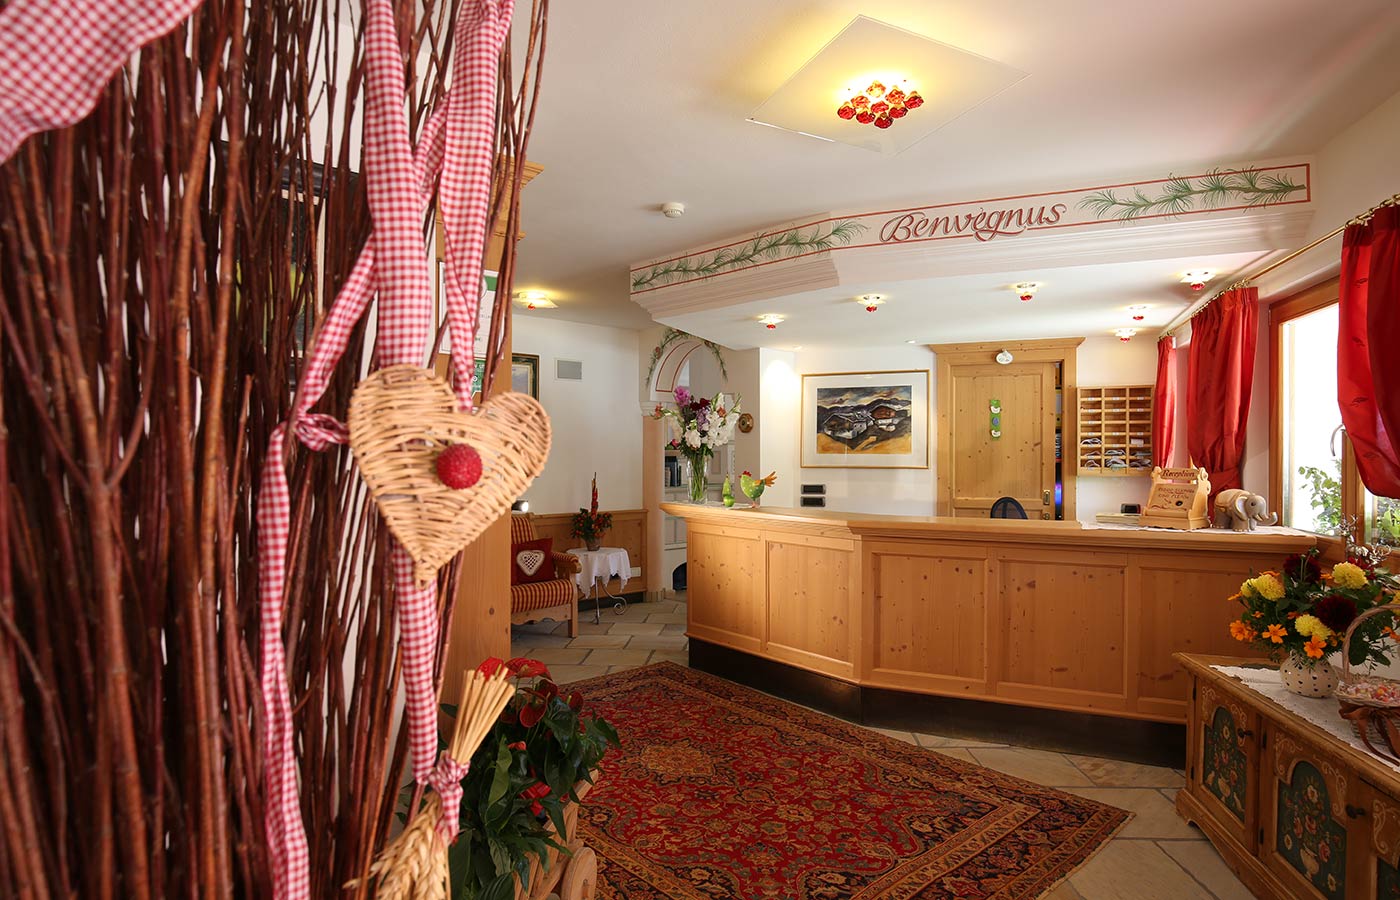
(1247, 589)
(1348, 575)
(1268, 586)
(1312, 626)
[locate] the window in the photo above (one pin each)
(1314, 479)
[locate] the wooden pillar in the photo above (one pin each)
(653, 463)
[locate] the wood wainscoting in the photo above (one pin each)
(1032, 613)
(629, 532)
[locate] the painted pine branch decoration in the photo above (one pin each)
(1213, 190)
(762, 248)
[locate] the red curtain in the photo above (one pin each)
(1220, 378)
(1368, 361)
(1164, 403)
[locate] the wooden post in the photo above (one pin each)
(653, 462)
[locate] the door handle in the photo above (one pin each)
(1045, 498)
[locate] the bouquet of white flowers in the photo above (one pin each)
(698, 426)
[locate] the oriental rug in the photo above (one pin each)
(723, 793)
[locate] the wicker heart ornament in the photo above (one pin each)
(401, 419)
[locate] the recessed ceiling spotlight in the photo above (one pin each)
(911, 342)
(1197, 278)
(1026, 289)
(1125, 334)
(770, 320)
(871, 302)
(535, 300)
(673, 210)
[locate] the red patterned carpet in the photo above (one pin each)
(723, 793)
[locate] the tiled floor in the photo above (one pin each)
(1156, 856)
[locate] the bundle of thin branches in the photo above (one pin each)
(162, 264)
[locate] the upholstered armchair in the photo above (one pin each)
(554, 599)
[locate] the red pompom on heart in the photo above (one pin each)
(459, 466)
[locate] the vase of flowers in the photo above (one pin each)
(1299, 615)
(698, 426)
(590, 524)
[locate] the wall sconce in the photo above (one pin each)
(770, 320)
(871, 302)
(1197, 278)
(1026, 289)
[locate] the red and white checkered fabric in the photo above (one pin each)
(395, 265)
(56, 56)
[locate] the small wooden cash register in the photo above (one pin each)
(1178, 499)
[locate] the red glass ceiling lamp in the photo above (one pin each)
(878, 105)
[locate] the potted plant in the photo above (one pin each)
(698, 426)
(1300, 614)
(521, 793)
(590, 524)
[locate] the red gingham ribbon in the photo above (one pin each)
(56, 57)
(395, 264)
(446, 779)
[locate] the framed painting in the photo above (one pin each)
(524, 374)
(865, 420)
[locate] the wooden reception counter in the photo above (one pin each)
(1042, 614)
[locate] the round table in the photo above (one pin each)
(595, 568)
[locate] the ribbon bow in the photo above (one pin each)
(446, 779)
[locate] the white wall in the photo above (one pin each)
(597, 422)
(1104, 361)
(893, 491)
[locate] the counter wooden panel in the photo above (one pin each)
(1045, 614)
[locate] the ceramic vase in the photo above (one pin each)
(1308, 677)
(593, 543)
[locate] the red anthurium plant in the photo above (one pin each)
(544, 744)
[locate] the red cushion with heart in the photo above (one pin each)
(529, 561)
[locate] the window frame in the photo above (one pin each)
(1308, 300)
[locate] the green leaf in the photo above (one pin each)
(502, 888)
(500, 781)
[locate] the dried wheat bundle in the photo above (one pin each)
(414, 865)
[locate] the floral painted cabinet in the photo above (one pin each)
(1224, 762)
(1383, 847)
(1313, 830)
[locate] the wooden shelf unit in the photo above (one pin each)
(1119, 418)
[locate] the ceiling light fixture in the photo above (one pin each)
(1125, 334)
(673, 210)
(878, 105)
(535, 300)
(1026, 289)
(1138, 310)
(770, 320)
(871, 302)
(1197, 278)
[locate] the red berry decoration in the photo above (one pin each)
(895, 95)
(880, 108)
(860, 101)
(913, 101)
(865, 117)
(884, 122)
(898, 112)
(459, 466)
(847, 111)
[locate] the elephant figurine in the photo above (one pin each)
(1240, 510)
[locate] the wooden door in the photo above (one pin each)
(1313, 835)
(1020, 462)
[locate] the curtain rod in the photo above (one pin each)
(1191, 312)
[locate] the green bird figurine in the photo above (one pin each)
(753, 487)
(728, 492)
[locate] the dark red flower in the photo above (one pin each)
(1302, 568)
(576, 701)
(1363, 562)
(517, 745)
(1335, 611)
(530, 714)
(489, 666)
(528, 668)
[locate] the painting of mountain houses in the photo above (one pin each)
(865, 419)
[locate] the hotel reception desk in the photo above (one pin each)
(1052, 615)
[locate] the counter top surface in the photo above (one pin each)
(1267, 539)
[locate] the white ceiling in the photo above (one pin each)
(645, 102)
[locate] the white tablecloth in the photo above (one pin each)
(1320, 711)
(600, 565)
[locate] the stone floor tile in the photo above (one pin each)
(938, 742)
(1153, 815)
(555, 655)
(586, 626)
(535, 641)
(609, 657)
(958, 753)
(905, 736)
(1063, 891)
(566, 674)
(673, 628)
(1135, 870)
(548, 626)
(634, 628)
(659, 642)
(597, 641)
(1041, 766)
(671, 618)
(1205, 865)
(1114, 773)
(680, 658)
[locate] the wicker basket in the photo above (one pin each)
(1370, 702)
